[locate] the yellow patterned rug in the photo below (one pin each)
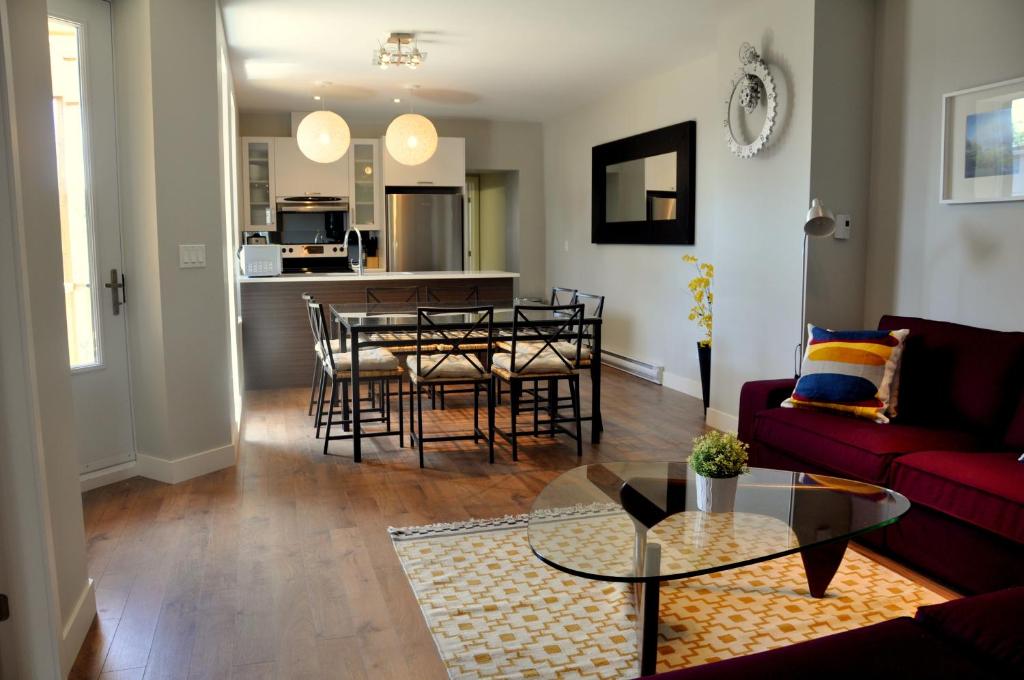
(496, 611)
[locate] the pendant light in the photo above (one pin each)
(411, 139)
(323, 136)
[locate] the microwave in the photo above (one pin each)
(260, 260)
(311, 219)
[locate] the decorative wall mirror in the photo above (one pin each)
(643, 187)
(751, 107)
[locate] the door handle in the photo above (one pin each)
(115, 284)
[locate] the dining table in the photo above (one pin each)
(393, 324)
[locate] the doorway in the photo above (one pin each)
(82, 76)
(496, 216)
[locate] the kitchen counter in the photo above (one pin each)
(380, 276)
(277, 344)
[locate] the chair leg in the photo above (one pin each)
(513, 392)
(536, 409)
(345, 414)
(413, 386)
(320, 403)
(490, 419)
(317, 373)
(330, 413)
(419, 423)
(476, 412)
(401, 416)
(552, 405)
(442, 397)
(574, 388)
(385, 393)
(433, 397)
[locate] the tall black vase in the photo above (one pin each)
(704, 356)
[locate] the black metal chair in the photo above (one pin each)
(376, 365)
(465, 295)
(317, 373)
(442, 359)
(544, 348)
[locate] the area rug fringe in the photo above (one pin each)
(473, 526)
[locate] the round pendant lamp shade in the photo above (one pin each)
(820, 222)
(323, 136)
(411, 139)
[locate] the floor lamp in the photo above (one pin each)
(819, 222)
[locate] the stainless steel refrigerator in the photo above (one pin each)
(424, 230)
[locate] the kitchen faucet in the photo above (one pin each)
(359, 255)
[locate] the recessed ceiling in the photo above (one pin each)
(499, 59)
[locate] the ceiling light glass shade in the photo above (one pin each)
(323, 136)
(411, 139)
(819, 222)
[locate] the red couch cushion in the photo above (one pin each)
(958, 376)
(898, 648)
(983, 489)
(850, 447)
(989, 624)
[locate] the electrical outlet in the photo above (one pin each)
(191, 256)
(844, 224)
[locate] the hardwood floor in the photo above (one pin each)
(281, 567)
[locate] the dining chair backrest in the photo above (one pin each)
(437, 333)
(454, 294)
(377, 297)
(563, 296)
(541, 326)
(593, 305)
(321, 335)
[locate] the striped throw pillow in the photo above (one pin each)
(849, 371)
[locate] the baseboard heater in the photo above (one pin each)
(633, 367)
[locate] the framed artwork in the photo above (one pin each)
(983, 144)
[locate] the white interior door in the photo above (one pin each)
(82, 73)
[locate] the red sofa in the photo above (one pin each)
(952, 451)
(977, 637)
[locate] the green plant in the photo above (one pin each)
(717, 454)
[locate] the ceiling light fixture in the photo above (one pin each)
(411, 139)
(323, 136)
(399, 50)
(397, 100)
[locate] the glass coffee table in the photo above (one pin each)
(639, 523)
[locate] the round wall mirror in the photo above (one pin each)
(751, 106)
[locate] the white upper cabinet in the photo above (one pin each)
(258, 184)
(296, 175)
(366, 200)
(446, 168)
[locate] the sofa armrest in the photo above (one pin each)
(758, 396)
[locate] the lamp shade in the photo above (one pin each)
(820, 222)
(323, 136)
(411, 139)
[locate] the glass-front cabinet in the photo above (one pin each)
(366, 186)
(259, 214)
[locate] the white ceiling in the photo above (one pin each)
(499, 59)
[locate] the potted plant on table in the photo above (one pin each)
(718, 459)
(703, 298)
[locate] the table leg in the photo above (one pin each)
(597, 423)
(820, 564)
(648, 598)
(357, 454)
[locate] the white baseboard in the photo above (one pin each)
(720, 420)
(183, 469)
(679, 383)
(77, 626)
(114, 473)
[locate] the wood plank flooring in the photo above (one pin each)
(281, 567)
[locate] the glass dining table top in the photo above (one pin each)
(592, 520)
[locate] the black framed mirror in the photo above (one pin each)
(643, 188)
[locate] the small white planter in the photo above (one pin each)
(716, 494)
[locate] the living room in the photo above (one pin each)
(226, 544)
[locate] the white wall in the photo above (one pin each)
(170, 168)
(953, 262)
(52, 599)
(647, 300)
(840, 162)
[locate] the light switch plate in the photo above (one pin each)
(844, 224)
(191, 255)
